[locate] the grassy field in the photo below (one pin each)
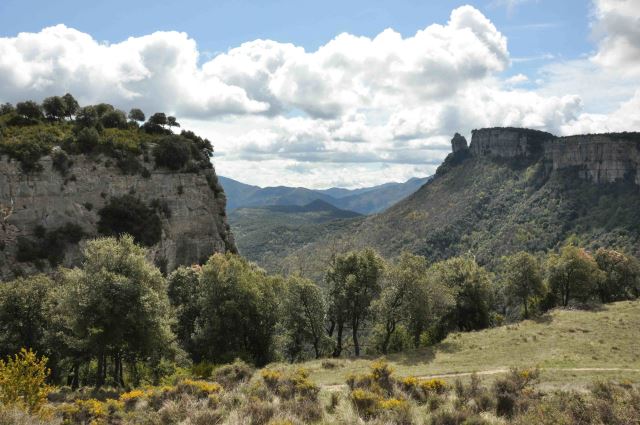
(571, 347)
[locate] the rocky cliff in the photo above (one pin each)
(193, 225)
(600, 158)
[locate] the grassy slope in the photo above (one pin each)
(558, 342)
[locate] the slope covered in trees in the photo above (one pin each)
(490, 207)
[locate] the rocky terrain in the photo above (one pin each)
(193, 218)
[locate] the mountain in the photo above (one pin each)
(266, 234)
(511, 189)
(364, 200)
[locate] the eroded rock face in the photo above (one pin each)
(195, 229)
(601, 158)
(458, 143)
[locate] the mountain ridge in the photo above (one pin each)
(367, 200)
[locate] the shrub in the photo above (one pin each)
(172, 152)
(232, 375)
(87, 139)
(127, 214)
(509, 390)
(198, 388)
(51, 245)
(61, 162)
(23, 381)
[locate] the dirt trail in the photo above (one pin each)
(338, 387)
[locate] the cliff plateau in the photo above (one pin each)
(193, 225)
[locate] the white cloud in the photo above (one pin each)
(356, 111)
(617, 25)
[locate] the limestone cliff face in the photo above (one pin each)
(195, 228)
(601, 158)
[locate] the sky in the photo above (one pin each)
(334, 93)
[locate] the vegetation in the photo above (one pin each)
(30, 131)
(129, 215)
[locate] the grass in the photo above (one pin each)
(557, 342)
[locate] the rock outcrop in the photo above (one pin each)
(458, 143)
(600, 158)
(194, 227)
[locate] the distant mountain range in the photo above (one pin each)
(368, 200)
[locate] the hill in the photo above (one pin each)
(511, 189)
(265, 234)
(573, 348)
(364, 200)
(68, 178)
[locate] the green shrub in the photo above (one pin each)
(61, 162)
(172, 152)
(50, 245)
(127, 214)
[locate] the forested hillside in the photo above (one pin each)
(490, 205)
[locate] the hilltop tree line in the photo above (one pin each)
(30, 130)
(116, 319)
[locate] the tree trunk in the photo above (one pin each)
(338, 350)
(526, 310)
(101, 371)
(75, 378)
(356, 343)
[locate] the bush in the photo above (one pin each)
(23, 381)
(232, 375)
(127, 214)
(51, 245)
(61, 162)
(172, 152)
(509, 390)
(87, 139)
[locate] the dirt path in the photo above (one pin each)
(339, 387)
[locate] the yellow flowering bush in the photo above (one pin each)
(199, 388)
(23, 381)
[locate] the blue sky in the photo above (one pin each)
(534, 28)
(315, 108)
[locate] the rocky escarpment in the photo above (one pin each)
(193, 219)
(600, 158)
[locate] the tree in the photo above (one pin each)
(409, 298)
(71, 106)
(103, 108)
(23, 314)
(303, 316)
(87, 117)
(354, 282)
(29, 109)
(238, 311)
(159, 118)
(184, 290)
(136, 114)
(118, 306)
(522, 276)
(54, 108)
(572, 274)
(172, 152)
(6, 108)
(621, 275)
(114, 119)
(171, 122)
(472, 287)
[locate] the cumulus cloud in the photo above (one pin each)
(356, 111)
(617, 25)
